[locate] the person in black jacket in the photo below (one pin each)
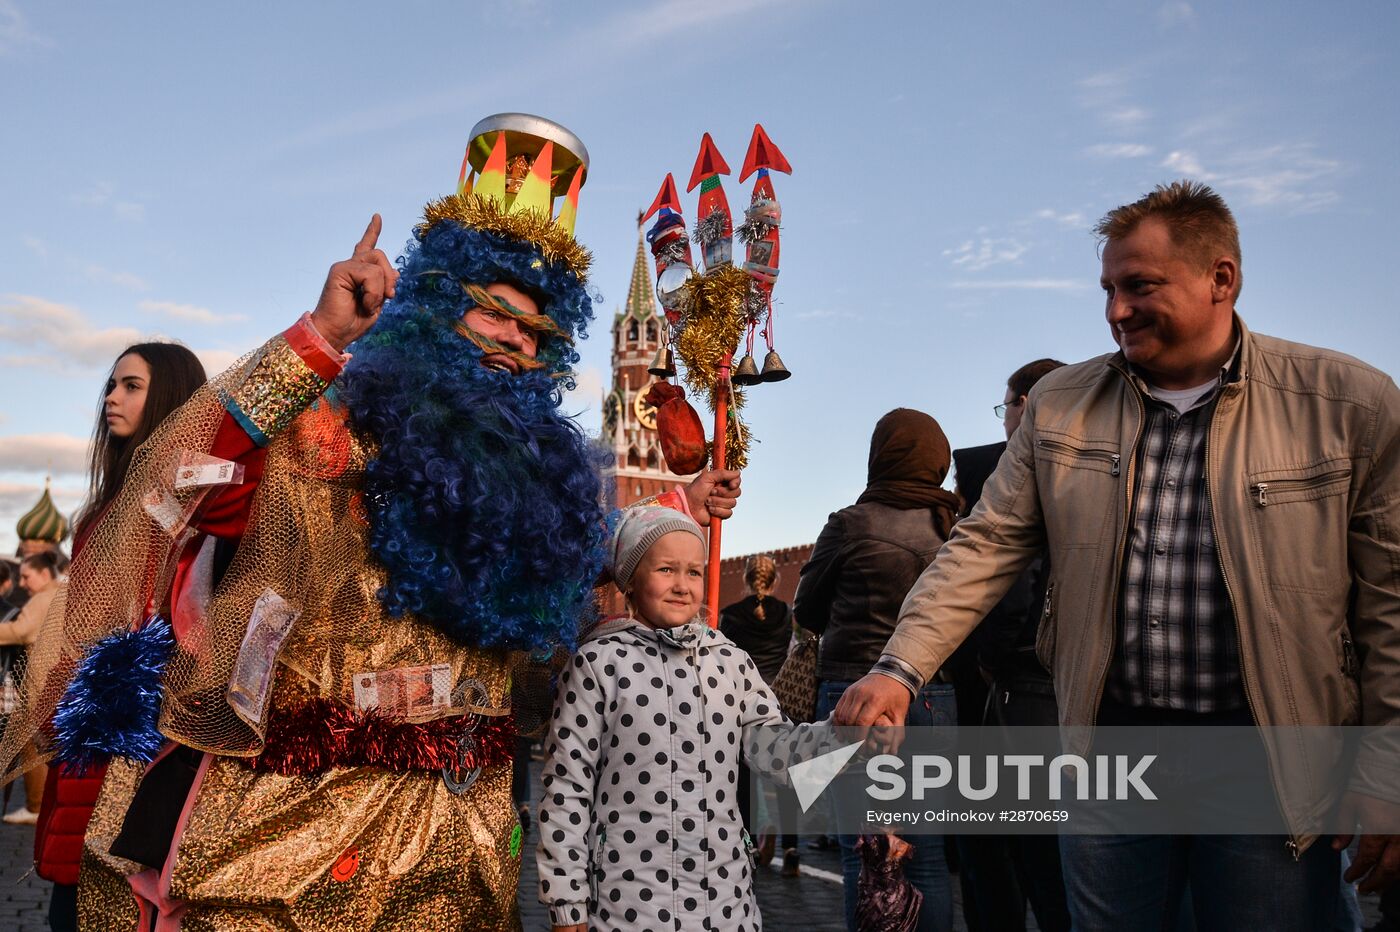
(1003, 683)
(863, 564)
(762, 626)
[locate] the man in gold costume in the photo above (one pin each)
(298, 631)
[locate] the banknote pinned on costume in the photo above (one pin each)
(411, 693)
(200, 469)
(251, 683)
(166, 509)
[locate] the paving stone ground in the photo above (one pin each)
(24, 898)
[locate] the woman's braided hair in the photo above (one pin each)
(760, 575)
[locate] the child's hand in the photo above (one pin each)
(578, 928)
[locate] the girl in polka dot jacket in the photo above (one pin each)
(639, 826)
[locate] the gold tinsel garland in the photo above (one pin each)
(531, 226)
(713, 326)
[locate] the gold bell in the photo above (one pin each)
(773, 368)
(746, 373)
(664, 365)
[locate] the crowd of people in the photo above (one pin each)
(284, 682)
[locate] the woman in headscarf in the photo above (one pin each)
(863, 564)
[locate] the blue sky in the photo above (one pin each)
(190, 170)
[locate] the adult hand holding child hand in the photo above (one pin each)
(878, 704)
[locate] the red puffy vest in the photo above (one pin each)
(63, 820)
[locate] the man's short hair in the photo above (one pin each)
(1024, 378)
(1198, 220)
(5, 572)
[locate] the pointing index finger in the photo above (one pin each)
(371, 237)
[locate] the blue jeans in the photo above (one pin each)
(1135, 883)
(927, 870)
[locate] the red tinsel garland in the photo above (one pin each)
(320, 734)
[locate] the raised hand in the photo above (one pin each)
(713, 494)
(355, 291)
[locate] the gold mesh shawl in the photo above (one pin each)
(305, 540)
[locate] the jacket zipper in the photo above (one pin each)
(693, 660)
(1291, 845)
(1122, 547)
(595, 870)
(1047, 613)
(1348, 655)
(1094, 453)
(1261, 489)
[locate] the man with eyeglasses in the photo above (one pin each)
(1000, 681)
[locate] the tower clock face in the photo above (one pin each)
(646, 414)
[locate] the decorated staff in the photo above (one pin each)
(709, 313)
(670, 246)
(759, 232)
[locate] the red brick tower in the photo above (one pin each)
(629, 426)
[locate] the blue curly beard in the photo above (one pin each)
(484, 501)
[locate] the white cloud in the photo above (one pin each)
(201, 315)
(35, 245)
(59, 334)
(1175, 14)
(670, 18)
(1118, 150)
(1022, 284)
(122, 279)
(14, 29)
(610, 38)
(59, 337)
(585, 401)
(974, 256)
(1108, 94)
(1184, 163)
(1125, 118)
(1288, 176)
(102, 195)
(826, 313)
(56, 454)
(1069, 219)
(216, 361)
(1105, 81)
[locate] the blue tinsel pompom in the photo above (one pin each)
(112, 706)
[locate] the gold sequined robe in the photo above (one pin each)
(361, 848)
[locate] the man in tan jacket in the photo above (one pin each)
(1222, 511)
(38, 574)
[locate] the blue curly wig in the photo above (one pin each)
(484, 501)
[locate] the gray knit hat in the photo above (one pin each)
(639, 528)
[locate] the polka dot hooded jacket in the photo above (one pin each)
(639, 826)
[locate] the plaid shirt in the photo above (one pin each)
(1177, 646)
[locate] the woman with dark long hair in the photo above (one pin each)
(147, 382)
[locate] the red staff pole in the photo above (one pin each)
(721, 438)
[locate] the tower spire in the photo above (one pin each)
(641, 302)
